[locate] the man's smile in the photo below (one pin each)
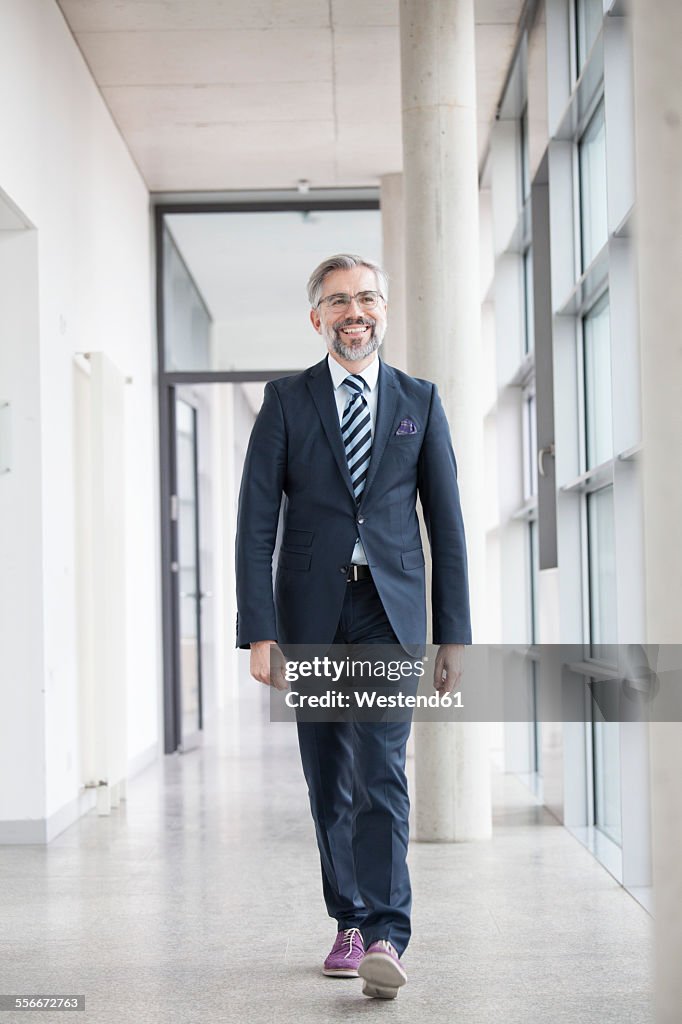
(355, 331)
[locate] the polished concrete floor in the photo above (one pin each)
(199, 900)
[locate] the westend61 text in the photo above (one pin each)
(372, 699)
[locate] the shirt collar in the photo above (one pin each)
(370, 374)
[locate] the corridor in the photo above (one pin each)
(199, 899)
(507, 174)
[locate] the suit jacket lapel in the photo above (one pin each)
(320, 386)
(386, 406)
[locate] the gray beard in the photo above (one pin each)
(333, 338)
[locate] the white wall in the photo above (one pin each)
(64, 165)
(21, 647)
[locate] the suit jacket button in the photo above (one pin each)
(361, 519)
(343, 568)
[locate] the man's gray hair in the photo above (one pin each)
(343, 261)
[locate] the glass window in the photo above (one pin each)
(589, 17)
(530, 488)
(602, 575)
(592, 161)
(597, 381)
(187, 324)
(534, 562)
(606, 769)
(530, 461)
(529, 322)
(525, 156)
(534, 568)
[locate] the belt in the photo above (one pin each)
(358, 572)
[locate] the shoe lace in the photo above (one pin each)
(351, 936)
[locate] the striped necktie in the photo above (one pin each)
(356, 430)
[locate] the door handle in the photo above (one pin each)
(549, 450)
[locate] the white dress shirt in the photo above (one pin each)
(370, 374)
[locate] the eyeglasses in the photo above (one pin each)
(340, 301)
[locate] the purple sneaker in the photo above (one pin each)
(346, 953)
(382, 971)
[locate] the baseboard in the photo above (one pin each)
(41, 831)
(70, 813)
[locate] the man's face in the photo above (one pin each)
(356, 332)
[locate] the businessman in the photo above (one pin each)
(350, 443)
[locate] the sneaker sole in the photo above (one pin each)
(382, 976)
(340, 972)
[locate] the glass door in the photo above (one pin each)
(188, 572)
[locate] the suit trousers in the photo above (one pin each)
(355, 772)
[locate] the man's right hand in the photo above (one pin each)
(260, 664)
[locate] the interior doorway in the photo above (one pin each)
(232, 313)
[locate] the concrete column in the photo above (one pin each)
(658, 149)
(657, 29)
(394, 349)
(665, 744)
(440, 171)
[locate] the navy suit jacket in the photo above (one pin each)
(296, 449)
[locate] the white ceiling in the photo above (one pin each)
(233, 94)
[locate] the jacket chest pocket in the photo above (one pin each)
(405, 449)
(405, 441)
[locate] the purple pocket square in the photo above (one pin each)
(407, 426)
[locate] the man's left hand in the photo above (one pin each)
(448, 669)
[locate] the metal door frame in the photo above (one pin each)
(167, 382)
